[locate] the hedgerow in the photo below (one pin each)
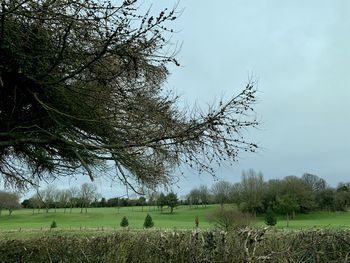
(246, 245)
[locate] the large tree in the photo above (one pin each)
(87, 195)
(205, 196)
(172, 201)
(9, 201)
(81, 87)
(194, 197)
(221, 192)
(251, 191)
(48, 196)
(161, 201)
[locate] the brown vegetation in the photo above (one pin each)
(247, 245)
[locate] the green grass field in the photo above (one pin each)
(332, 220)
(182, 218)
(103, 220)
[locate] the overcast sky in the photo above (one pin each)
(298, 51)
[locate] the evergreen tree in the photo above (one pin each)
(124, 222)
(53, 224)
(148, 222)
(270, 217)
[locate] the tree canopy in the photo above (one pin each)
(82, 90)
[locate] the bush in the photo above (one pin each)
(124, 222)
(230, 219)
(53, 224)
(270, 217)
(148, 222)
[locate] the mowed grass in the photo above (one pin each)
(322, 219)
(24, 224)
(183, 217)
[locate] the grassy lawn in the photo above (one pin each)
(182, 218)
(23, 223)
(332, 220)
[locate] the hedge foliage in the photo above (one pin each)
(247, 245)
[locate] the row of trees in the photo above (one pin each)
(87, 196)
(288, 195)
(52, 198)
(253, 194)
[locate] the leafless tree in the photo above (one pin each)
(9, 201)
(251, 191)
(48, 196)
(73, 193)
(204, 195)
(36, 202)
(64, 197)
(221, 192)
(87, 194)
(194, 197)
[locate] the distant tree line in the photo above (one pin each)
(156, 200)
(53, 198)
(252, 194)
(87, 196)
(288, 196)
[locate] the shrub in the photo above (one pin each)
(124, 222)
(196, 221)
(53, 224)
(148, 222)
(270, 217)
(229, 219)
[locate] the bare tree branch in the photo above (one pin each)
(81, 90)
